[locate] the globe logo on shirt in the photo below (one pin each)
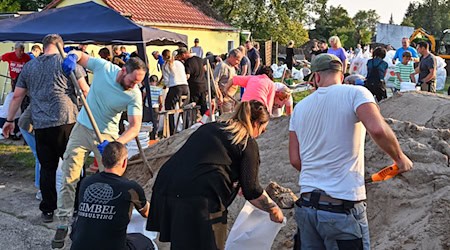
(99, 193)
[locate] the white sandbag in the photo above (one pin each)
(137, 225)
(389, 56)
(253, 230)
(297, 74)
(440, 62)
(389, 78)
(441, 76)
(274, 67)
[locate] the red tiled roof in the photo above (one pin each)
(162, 12)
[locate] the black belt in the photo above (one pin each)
(314, 202)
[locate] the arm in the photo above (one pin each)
(265, 203)
(133, 130)
(144, 211)
(82, 58)
(294, 151)
(430, 75)
(244, 70)
(398, 76)
(382, 134)
(83, 86)
(288, 109)
(257, 63)
(413, 79)
(19, 94)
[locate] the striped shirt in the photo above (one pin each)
(405, 73)
(155, 93)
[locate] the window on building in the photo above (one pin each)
(230, 45)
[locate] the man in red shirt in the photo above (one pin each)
(16, 60)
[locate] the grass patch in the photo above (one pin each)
(298, 96)
(14, 156)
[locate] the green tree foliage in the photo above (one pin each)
(332, 20)
(9, 6)
(365, 25)
(281, 20)
(432, 15)
(22, 5)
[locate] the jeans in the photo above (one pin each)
(333, 231)
(31, 141)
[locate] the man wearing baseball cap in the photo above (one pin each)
(326, 145)
(197, 49)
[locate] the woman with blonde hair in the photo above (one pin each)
(337, 50)
(196, 185)
(174, 75)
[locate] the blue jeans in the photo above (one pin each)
(31, 141)
(332, 231)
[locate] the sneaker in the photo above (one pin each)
(47, 217)
(39, 195)
(60, 236)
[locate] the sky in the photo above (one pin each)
(384, 8)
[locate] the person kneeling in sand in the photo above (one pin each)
(106, 199)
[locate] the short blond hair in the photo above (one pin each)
(335, 40)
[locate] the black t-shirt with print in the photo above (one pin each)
(106, 203)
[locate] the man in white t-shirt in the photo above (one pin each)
(282, 99)
(326, 144)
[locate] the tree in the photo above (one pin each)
(281, 20)
(391, 20)
(432, 15)
(365, 25)
(9, 6)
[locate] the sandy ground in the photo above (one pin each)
(408, 212)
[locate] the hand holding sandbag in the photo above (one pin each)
(102, 146)
(69, 64)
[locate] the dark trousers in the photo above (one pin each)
(50, 147)
(200, 99)
(173, 97)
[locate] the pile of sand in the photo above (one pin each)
(408, 212)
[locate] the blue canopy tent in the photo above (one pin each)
(88, 23)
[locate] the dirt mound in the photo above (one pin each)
(407, 212)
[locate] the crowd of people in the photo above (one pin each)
(57, 127)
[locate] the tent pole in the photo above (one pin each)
(141, 49)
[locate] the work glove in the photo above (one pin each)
(102, 146)
(69, 64)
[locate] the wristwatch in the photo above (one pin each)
(9, 121)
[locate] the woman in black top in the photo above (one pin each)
(196, 185)
(290, 55)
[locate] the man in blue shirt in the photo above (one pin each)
(158, 58)
(406, 47)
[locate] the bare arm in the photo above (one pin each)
(430, 75)
(19, 94)
(83, 86)
(133, 130)
(398, 76)
(413, 79)
(257, 63)
(383, 135)
(344, 66)
(294, 151)
(288, 110)
(83, 58)
(244, 70)
(144, 210)
(265, 203)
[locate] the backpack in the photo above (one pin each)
(373, 77)
(374, 82)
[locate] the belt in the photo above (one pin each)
(321, 201)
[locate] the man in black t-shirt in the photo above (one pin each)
(198, 86)
(106, 201)
(254, 56)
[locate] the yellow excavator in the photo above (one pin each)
(444, 42)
